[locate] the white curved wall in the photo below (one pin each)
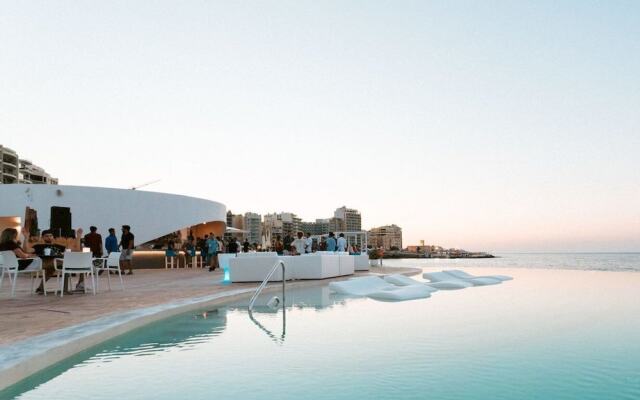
(150, 214)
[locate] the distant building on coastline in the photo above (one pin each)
(347, 219)
(234, 221)
(265, 229)
(31, 173)
(388, 237)
(253, 226)
(320, 227)
(13, 169)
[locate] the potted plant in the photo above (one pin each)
(375, 257)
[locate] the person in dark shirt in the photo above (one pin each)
(93, 240)
(245, 246)
(47, 248)
(233, 246)
(126, 242)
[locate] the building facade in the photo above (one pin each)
(31, 173)
(9, 166)
(253, 226)
(351, 219)
(64, 209)
(388, 237)
(16, 170)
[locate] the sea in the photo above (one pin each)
(619, 262)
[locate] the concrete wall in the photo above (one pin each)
(150, 214)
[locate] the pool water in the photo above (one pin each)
(544, 335)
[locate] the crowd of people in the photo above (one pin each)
(210, 246)
(41, 250)
(302, 244)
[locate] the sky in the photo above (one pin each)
(494, 125)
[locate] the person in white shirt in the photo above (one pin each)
(309, 243)
(300, 243)
(342, 243)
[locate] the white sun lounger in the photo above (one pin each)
(442, 280)
(360, 286)
(401, 280)
(401, 293)
(463, 275)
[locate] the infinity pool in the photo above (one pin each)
(544, 335)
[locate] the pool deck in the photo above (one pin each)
(37, 331)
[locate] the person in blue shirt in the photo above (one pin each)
(111, 242)
(331, 242)
(213, 248)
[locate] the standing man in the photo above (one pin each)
(309, 244)
(342, 243)
(299, 244)
(111, 242)
(212, 252)
(93, 240)
(233, 246)
(126, 242)
(331, 242)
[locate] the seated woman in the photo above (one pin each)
(171, 249)
(9, 242)
(189, 251)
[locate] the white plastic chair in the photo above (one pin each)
(9, 265)
(109, 264)
(171, 260)
(75, 263)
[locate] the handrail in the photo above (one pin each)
(279, 263)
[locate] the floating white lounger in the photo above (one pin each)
(438, 277)
(449, 285)
(360, 286)
(401, 280)
(401, 293)
(463, 275)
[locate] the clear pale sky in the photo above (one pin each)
(483, 125)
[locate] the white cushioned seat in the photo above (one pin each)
(444, 277)
(255, 269)
(313, 266)
(347, 264)
(463, 275)
(449, 285)
(360, 286)
(401, 293)
(361, 262)
(401, 280)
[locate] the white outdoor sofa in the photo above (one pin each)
(320, 265)
(255, 269)
(361, 262)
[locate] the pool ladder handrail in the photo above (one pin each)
(278, 263)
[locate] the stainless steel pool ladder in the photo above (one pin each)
(279, 263)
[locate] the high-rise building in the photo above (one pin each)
(10, 166)
(272, 227)
(16, 170)
(320, 227)
(387, 237)
(352, 220)
(280, 224)
(234, 221)
(253, 224)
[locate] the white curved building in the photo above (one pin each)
(150, 214)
